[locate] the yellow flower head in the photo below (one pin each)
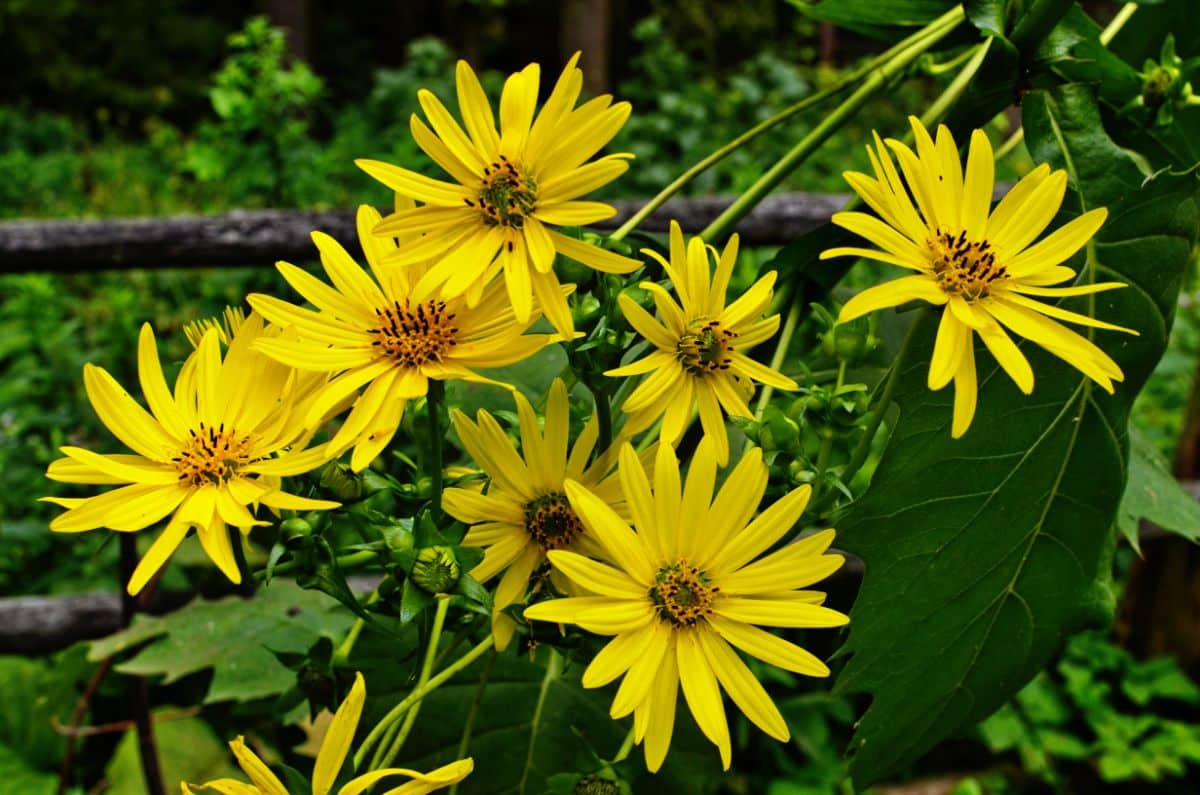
(329, 761)
(701, 358)
(982, 268)
(525, 512)
(218, 443)
(389, 333)
(685, 586)
(510, 186)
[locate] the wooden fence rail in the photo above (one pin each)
(262, 237)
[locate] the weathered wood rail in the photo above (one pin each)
(262, 237)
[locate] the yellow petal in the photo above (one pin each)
(592, 256)
(254, 767)
(156, 556)
(741, 685)
(640, 679)
(767, 528)
(611, 532)
(965, 393)
(893, 293)
(702, 695)
(596, 577)
(338, 737)
(769, 648)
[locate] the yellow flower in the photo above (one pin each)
(701, 357)
(685, 586)
(981, 267)
(390, 333)
(510, 185)
(525, 512)
(203, 453)
(329, 761)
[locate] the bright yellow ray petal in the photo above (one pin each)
(742, 687)
(1009, 356)
(893, 293)
(338, 737)
(769, 648)
(767, 528)
(257, 771)
(613, 534)
(127, 421)
(966, 393)
(592, 256)
(618, 656)
(156, 556)
(640, 679)
(418, 186)
(702, 695)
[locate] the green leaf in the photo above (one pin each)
(188, 750)
(1152, 493)
(34, 692)
(984, 553)
(234, 637)
(874, 17)
(536, 721)
(19, 776)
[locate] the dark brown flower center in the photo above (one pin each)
(704, 348)
(682, 594)
(964, 267)
(213, 455)
(506, 195)
(413, 336)
(550, 521)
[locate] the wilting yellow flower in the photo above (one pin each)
(701, 358)
(525, 512)
(510, 185)
(980, 266)
(203, 454)
(685, 586)
(334, 749)
(389, 333)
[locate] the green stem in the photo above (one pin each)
(419, 693)
(846, 81)
(879, 407)
(949, 65)
(876, 80)
(341, 654)
(433, 401)
(781, 349)
(1038, 21)
(469, 726)
(435, 636)
(349, 561)
(553, 669)
(1118, 22)
(958, 85)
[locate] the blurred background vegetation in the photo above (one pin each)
(142, 108)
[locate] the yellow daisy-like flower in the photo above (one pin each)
(334, 749)
(525, 512)
(203, 453)
(511, 185)
(980, 266)
(388, 333)
(686, 586)
(701, 358)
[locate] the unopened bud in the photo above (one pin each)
(436, 569)
(294, 530)
(343, 483)
(594, 785)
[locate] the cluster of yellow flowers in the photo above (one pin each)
(678, 572)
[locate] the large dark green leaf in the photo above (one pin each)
(237, 638)
(534, 722)
(983, 554)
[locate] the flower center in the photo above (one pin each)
(550, 521)
(682, 594)
(964, 267)
(704, 348)
(414, 336)
(213, 455)
(506, 195)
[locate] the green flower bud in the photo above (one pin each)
(294, 530)
(1156, 84)
(436, 569)
(343, 483)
